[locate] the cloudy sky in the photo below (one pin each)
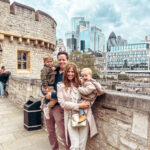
(128, 18)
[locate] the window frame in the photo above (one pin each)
(28, 61)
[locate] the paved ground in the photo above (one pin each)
(13, 136)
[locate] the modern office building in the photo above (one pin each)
(97, 40)
(129, 58)
(75, 24)
(84, 39)
(87, 39)
(71, 41)
(146, 40)
(78, 24)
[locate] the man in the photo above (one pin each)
(57, 113)
(4, 77)
(2, 69)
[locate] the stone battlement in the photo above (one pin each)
(123, 120)
(23, 22)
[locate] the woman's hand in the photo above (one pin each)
(48, 95)
(84, 105)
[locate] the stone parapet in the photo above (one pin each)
(123, 119)
(123, 122)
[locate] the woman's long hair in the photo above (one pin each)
(76, 81)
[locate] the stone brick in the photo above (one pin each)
(123, 125)
(140, 124)
(111, 133)
(125, 111)
(122, 118)
(122, 147)
(142, 148)
(128, 143)
(137, 139)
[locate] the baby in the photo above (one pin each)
(89, 90)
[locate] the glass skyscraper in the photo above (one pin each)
(87, 38)
(97, 40)
(77, 23)
(114, 40)
(71, 41)
(84, 39)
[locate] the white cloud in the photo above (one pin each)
(130, 19)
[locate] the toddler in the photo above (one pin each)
(48, 73)
(89, 90)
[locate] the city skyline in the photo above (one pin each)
(127, 19)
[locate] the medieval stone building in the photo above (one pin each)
(25, 36)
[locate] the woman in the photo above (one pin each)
(68, 97)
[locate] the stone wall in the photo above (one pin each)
(123, 120)
(24, 29)
(20, 89)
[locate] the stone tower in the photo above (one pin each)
(26, 36)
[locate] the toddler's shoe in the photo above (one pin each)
(46, 112)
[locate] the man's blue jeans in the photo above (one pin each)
(1, 89)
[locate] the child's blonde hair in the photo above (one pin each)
(47, 57)
(86, 71)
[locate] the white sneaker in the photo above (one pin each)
(46, 112)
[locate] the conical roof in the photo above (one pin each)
(112, 35)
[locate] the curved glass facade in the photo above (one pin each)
(114, 41)
(129, 57)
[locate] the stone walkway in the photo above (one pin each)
(13, 136)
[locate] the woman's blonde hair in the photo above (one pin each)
(86, 71)
(76, 81)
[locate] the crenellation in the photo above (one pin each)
(19, 5)
(45, 14)
(5, 1)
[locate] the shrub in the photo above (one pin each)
(123, 77)
(96, 76)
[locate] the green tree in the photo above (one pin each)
(84, 60)
(123, 77)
